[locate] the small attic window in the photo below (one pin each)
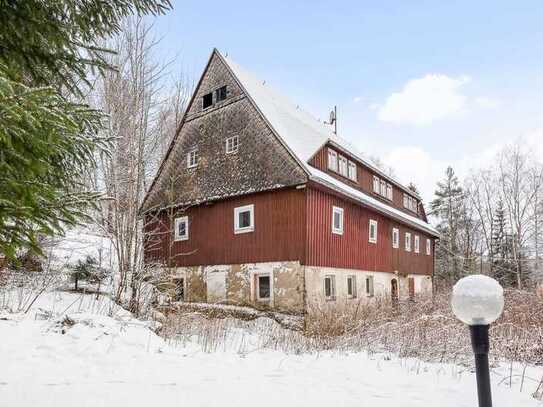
(220, 94)
(207, 100)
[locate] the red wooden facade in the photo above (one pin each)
(279, 233)
(353, 250)
(290, 225)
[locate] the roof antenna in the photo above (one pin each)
(333, 119)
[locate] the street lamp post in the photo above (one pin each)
(477, 301)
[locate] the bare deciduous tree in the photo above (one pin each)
(143, 117)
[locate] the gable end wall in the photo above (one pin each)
(262, 162)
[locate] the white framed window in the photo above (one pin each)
(232, 144)
(408, 242)
(332, 160)
(330, 287)
(376, 184)
(428, 247)
(263, 287)
(410, 203)
(337, 220)
(373, 231)
(181, 228)
(351, 286)
(395, 238)
(383, 188)
(342, 165)
(352, 171)
(369, 286)
(192, 159)
(244, 219)
(417, 244)
(389, 192)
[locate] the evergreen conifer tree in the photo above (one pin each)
(447, 207)
(48, 141)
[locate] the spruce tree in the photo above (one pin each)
(447, 207)
(48, 54)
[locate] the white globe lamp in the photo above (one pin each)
(477, 301)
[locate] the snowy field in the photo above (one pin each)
(67, 352)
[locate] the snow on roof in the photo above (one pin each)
(302, 133)
(329, 181)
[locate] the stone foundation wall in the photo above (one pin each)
(293, 286)
(236, 284)
(382, 282)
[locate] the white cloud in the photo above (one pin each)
(487, 103)
(424, 100)
(357, 99)
(414, 164)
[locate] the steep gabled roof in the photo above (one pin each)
(304, 136)
(299, 130)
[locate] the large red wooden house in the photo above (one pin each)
(257, 202)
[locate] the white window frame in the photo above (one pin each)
(417, 244)
(257, 284)
(192, 158)
(342, 165)
(332, 160)
(368, 286)
(407, 242)
(338, 230)
(390, 192)
(232, 144)
(237, 211)
(372, 239)
(332, 296)
(405, 201)
(353, 294)
(383, 190)
(395, 238)
(376, 184)
(352, 169)
(428, 247)
(177, 236)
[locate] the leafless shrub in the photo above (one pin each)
(424, 328)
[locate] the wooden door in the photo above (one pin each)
(394, 290)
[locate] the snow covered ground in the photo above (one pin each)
(67, 352)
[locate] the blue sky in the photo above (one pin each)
(421, 84)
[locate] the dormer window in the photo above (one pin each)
(381, 187)
(352, 171)
(410, 203)
(376, 184)
(207, 100)
(389, 192)
(342, 165)
(332, 160)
